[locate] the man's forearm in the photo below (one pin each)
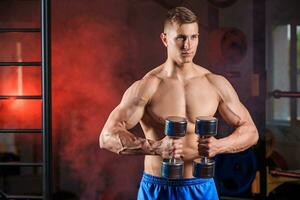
(241, 139)
(121, 141)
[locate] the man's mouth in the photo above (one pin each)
(186, 53)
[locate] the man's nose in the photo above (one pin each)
(186, 44)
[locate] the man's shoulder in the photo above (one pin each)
(216, 79)
(213, 78)
(147, 85)
(152, 79)
(154, 74)
(222, 85)
(210, 76)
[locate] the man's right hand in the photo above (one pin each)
(170, 147)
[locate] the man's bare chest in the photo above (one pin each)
(190, 100)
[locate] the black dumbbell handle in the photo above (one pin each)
(204, 157)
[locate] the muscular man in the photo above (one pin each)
(178, 87)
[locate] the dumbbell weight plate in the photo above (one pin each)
(203, 169)
(206, 126)
(175, 126)
(172, 170)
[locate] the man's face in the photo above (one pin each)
(182, 42)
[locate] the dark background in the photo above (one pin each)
(99, 48)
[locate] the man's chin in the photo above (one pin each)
(187, 60)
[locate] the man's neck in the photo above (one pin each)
(181, 71)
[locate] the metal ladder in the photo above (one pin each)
(45, 97)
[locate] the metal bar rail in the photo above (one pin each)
(279, 94)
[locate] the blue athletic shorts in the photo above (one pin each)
(152, 187)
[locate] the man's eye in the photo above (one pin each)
(194, 36)
(180, 38)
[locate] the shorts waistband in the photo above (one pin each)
(174, 182)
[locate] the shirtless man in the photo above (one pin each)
(178, 87)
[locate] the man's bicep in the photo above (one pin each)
(230, 107)
(122, 117)
(234, 112)
(130, 114)
(130, 111)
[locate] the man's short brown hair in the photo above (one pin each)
(180, 15)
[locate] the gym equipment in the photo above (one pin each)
(234, 173)
(226, 46)
(175, 127)
(205, 127)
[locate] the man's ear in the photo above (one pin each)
(163, 37)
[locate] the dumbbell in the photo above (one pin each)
(175, 127)
(205, 127)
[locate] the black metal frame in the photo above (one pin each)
(20, 64)
(6, 30)
(259, 63)
(289, 94)
(46, 130)
(47, 103)
(21, 97)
